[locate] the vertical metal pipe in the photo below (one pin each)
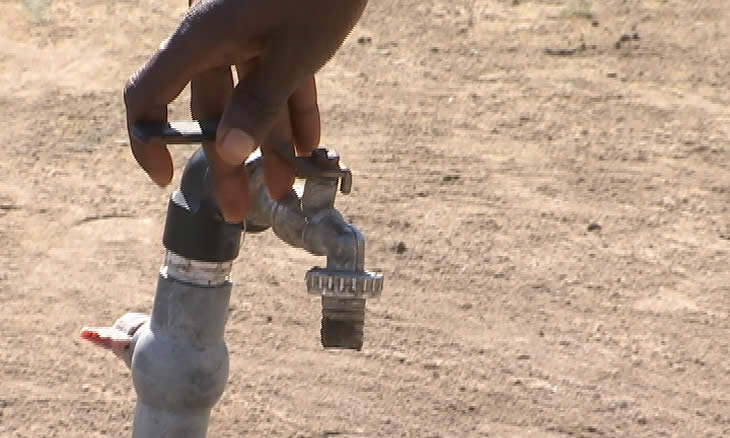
(180, 360)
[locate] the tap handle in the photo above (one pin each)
(321, 164)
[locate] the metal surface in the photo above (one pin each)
(179, 360)
(343, 322)
(192, 131)
(195, 272)
(312, 223)
(344, 284)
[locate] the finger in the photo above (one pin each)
(242, 69)
(304, 114)
(236, 153)
(152, 157)
(278, 174)
(210, 92)
(294, 49)
(257, 102)
(231, 187)
(200, 43)
(146, 96)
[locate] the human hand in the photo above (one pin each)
(276, 46)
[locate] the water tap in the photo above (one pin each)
(309, 221)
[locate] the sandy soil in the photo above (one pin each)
(557, 172)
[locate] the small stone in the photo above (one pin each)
(400, 248)
(594, 226)
(364, 40)
(85, 387)
(611, 75)
(269, 318)
(625, 37)
(559, 52)
(523, 357)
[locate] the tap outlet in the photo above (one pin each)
(310, 222)
(313, 223)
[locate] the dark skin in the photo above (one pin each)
(276, 47)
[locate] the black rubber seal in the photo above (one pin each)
(195, 228)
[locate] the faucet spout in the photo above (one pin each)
(315, 225)
(310, 223)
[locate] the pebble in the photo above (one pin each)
(594, 227)
(400, 248)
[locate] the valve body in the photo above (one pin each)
(180, 360)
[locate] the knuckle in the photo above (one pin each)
(132, 92)
(266, 105)
(129, 91)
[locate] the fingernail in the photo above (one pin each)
(236, 146)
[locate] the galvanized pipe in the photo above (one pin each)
(179, 359)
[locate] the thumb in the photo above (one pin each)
(254, 108)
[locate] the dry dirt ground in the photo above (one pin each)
(555, 173)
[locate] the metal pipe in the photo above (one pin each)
(312, 223)
(179, 359)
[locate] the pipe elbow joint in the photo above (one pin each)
(332, 236)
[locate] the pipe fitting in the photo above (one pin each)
(180, 360)
(313, 224)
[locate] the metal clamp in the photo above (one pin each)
(344, 284)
